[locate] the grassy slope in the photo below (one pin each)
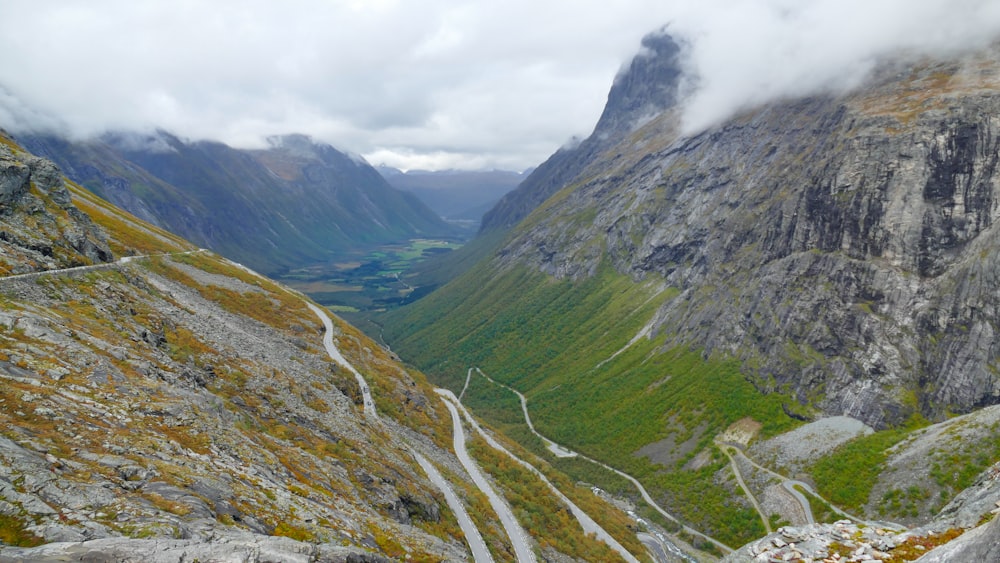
(249, 392)
(548, 339)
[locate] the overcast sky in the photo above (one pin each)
(430, 83)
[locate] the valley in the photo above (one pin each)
(184, 405)
(773, 338)
(374, 281)
(645, 292)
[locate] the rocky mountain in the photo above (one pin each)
(44, 230)
(830, 255)
(295, 203)
(162, 403)
(641, 91)
(841, 245)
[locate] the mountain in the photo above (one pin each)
(293, 204)
(644, 89)
(650, 291)
(462, 195)
(162, 403)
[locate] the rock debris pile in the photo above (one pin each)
(841, 542)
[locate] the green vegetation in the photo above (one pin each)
(565, 345)
(956, 469)
(13, 532)
(846, 476)
(542, 515)
(374, 281)
(903, 502)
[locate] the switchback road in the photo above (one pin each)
(586, 522)
(642, 490)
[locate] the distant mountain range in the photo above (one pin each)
(295, 203)
(456, 195)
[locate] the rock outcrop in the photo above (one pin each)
(42, 228)
(245, 548)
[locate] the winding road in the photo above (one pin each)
(335, 355)
(642, 490)
(663, 549)
(473, 537)
(518, 537)
(791, 484)
(746, 490)
(586, 522)
(553, 447)
(480, 552)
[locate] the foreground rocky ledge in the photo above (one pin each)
(249, 548)
(846, 541)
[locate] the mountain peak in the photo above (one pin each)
(644, 88)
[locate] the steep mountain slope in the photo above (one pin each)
(130, 406)
(822, 256)
(843, 246)
(643, 90)
(293, 204)
(160, 403)
(648, 86)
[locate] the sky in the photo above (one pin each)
(432, 84)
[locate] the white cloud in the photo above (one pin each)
(439, 83)
(747, 53)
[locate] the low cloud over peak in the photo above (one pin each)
(439, 84)
(742, 54)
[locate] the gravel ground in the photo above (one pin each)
(794, 449)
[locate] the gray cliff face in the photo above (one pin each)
(845, 246)
(649, 85)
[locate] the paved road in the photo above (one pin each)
(643, 493)
(468, 376)
(589, 525)
(100, 266)
(786, 483)
(553, 447)
(480, 553)
(790, 484)
(746, 490)
(334, 352)
(518, 537)
(473, 537)
(662, 549)
(478, 547)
